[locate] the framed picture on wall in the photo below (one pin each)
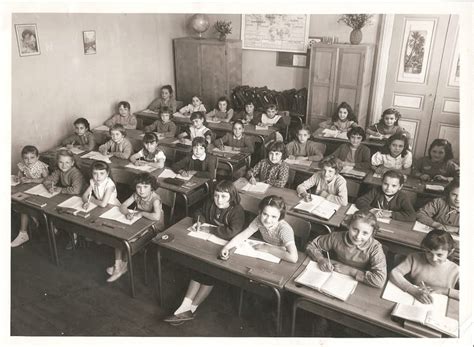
(89, 42)
(27, 39)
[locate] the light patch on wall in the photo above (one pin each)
(408, 101)
(451, 106)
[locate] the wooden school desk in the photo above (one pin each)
(130, 238)
(333, 142)
(23, 206)
(200, 255)
(291, 200)
(364, 310)
(232, 161)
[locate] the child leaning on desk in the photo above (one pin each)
(82, 137)
(430, 271)
(302, 148)
(343, 119)
(148, 205)
(166, 98)
(355, 252)
(387, 125)
(327, 183)
(118, 146)
(30, 170)
(164, 126)
(222, 112)
(196, 105)
(124, 117)
(236, 140)
(273, 170)
(389, 200)
(101, 190)
(275, 231)
(395, 155)
(273, 119)
(150, 154)
(248, 115)
(439, 164)
(443, 213)
(198, 160)
(197, 128)
(354, 153)
(225, 212)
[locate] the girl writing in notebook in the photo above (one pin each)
(147, 205)
(166, 98)
(118, 146)
(302, 148)
(275, 231)
(150, 154)
(124, 117)
(222, 112)
(439, 164)
(273, 170)
(421, 274)
(443, 213)
(354, 252)
(83, 138)
(196, 105)
(237, 139)
(354, 153)
(394, 155)
(225, 212)
(248, 115)
(197, 128)
(387, 125)
(101, 190)
(164, 126)
(30, 170)
(203, 163)
(343, 119)
(327, 183)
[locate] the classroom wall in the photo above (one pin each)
(278, 77)
(134, 58)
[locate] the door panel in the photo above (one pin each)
(188, 71)
(213, 72)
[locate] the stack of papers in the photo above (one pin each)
(260, 187)
(146, 168)
(40, 190)
(97, 156)
(318, 206)
(115, 214)
(75, 202)
(73, 150)
(246, 249)
(332, 283)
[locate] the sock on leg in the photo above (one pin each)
(193, 308)
(185, 306)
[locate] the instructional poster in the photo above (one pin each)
(275, 32)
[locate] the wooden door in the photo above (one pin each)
(445, 119)
(187, 64)
(321, 84)
(213, 71)
(415, 54)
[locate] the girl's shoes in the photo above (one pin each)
(118, 272)
(20, 239)
(180, 318)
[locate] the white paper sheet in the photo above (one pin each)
(76, 203)
(261, 127)
(352, 209)
(227, 149)
(246, 249)
(167, 173)
(101, 128)
(435, 187)
(330, 133)
(395, 294)
(97, 156)
(422, 227)
(146, 168)
(260, 187)
(15, 180)
(148, 111)
(115, 214)
(41, 190)
(299, 162)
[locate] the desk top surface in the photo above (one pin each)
(365, 303)
(291, 200)
(207, 252)
(318, 134)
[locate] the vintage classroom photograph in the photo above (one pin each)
(256, 173)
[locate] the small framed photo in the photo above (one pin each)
(27, 39)
(89, 42)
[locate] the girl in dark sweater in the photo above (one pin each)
(224, 212)
(198, 160)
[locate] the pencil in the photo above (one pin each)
(198, 224)
(329, 260)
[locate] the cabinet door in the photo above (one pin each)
(321, 84)
(213, 72)
(187, 62)
(350, 70)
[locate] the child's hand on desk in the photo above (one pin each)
(422, 295)
(325, 265)
(307, 197)
(53, 189)
(139, 162)
(441, 178)
(300, 157)
(345, 269)
(333, 127)
(252, 180)
(323, 194)
(183, 173)
(69, 146)
(23, 180)
(449, 228)
(292, 157)
(425, 177)
(103, 151)
(86, 205)
(262, 247)
(130, 216)
(182, 139)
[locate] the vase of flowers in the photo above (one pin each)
(223, 28)
(356, 22)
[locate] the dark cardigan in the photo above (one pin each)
(205, 168)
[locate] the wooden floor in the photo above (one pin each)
(74, 299)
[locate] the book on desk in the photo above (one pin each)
(334, 284)
(318, 206)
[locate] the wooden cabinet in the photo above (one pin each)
(339, 73)
(206, 67)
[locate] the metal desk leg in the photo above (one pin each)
(53, 242)
(293, 317)
(278, 318)
(48, 231)
(160, 289)
(130, 267)
(264, 150)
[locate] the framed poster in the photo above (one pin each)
(416, 50)
(89, 42)
(275, 32)
(27, 39)
(455, 71)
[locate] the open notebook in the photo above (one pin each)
(206, 233)
(145, 167)
(333, 283)
(259, 187)
(74, 150)
(41, 190)
(300, 162)
(246, 249)
(227, 149)
(115, 214)
(318, 206)
(97, 156)
(74, 203)
(350, 171)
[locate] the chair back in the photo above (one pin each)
(301, 228)
(250, 206)
(168, 198)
